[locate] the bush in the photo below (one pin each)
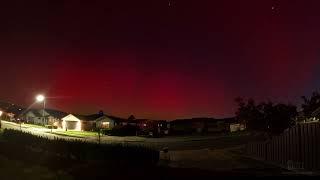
(17, 143)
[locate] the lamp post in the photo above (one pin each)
(41, 98)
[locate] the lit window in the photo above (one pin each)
(105, 124)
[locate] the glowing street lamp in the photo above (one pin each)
(41, 98)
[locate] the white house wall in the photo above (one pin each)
(71, 117)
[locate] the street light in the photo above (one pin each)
(40, 98)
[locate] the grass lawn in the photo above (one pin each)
(80, 134)
(32, 125)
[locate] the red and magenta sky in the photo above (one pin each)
(153, 60)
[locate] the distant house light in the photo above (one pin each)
(105, 124)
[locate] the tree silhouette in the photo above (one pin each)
(250, 114)
(310, 105)
(282, 117)
(268, 116)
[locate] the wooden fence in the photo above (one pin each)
(296, 148)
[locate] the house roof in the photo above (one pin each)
(35, 112)
(115, 118)
(56, 113)
(91, 117)
(47, 112)
(94, 117)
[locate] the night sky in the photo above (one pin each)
(158, 59)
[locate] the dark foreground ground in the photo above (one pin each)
(223, 157)
(13, 169)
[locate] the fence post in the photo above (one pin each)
(290, 145)
(318, 145)
(302, 145)
(313, 146)
(266, 150)
(282, 150)
(306, 146)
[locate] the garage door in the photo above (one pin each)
(72, 125)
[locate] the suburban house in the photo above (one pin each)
(233, 125)
(142, 126)
(159, 127)
(44, 117)
(108, 122)
(33, 117)
(149, 127)
(186, 126)
(300, 118)
(315, 117)
(79, 122)
(10, 111)
(8, 116)
(205, 125)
